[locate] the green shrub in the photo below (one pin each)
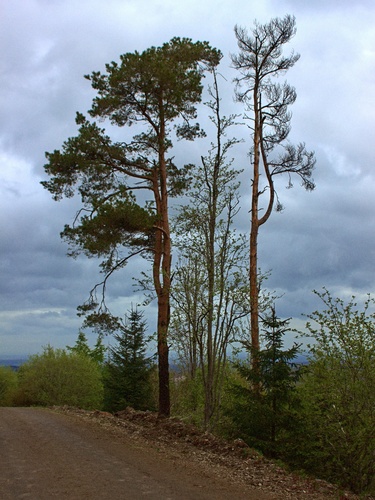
(81, 346)
(60, 378)
(8, 385)
(187, 396)
(337, 441)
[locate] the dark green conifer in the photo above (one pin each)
(128, 370)
(266, 404)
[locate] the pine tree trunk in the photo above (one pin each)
(254, 286)
(162, 273)
(163, 355)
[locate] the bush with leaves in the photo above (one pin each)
(97, 353)
(338, 392)
(8, 384)
(56, 377)
(187, 395)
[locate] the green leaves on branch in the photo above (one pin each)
(58, 378)
(167, 77)
(117, 223)
(156, 87)
(87, 162)
(342, 329)
(338, 392)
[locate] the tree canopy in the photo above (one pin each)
(152, 91)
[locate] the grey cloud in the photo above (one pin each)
(324, 238)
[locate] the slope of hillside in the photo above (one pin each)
(233, 461)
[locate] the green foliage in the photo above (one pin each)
(155, 88)
(170, 73)
(338, 394)
(187, 396)
(56, 377)
(127, 373)
(264, 411)
(121, 222)
(8, 385)
(81, 347)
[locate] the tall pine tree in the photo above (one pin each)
(158, 91)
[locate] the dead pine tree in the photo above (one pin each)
(260, 62)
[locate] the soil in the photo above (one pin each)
(75, 454)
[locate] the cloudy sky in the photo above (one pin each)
(323, 238)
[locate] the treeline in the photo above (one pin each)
(317, 417)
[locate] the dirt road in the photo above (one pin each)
(48, 455)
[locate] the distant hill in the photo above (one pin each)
(301, 359)
(13, 363)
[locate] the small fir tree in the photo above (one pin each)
(263, 416)
(127, 373)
